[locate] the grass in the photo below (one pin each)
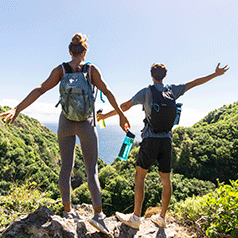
(24, 200)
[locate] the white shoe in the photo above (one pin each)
(157, 219)
(73, 215)
(129, 220)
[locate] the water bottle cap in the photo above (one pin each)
(179, 104)
(129, 134)
(100, 110)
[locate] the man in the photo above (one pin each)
(155, 146)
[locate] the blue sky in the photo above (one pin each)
(125, 38)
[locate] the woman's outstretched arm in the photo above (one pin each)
(52, 81)
(101, 85)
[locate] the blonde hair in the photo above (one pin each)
(78, 44)
(158, 71)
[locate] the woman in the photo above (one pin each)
(67, 131)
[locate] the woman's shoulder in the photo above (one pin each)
(59, 68)
(92, 66)
(94, 69)
(58, 71)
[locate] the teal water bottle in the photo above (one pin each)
(101, 123)
(179, 109)
(126, 146)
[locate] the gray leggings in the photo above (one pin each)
(67, 131)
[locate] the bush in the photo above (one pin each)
(216, 212)
(81, 195)
(222, 210)
(23, 200)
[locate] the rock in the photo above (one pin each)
(43, 223)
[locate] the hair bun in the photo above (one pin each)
(78, 44)
(78, 39)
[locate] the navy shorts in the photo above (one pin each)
(152, 149)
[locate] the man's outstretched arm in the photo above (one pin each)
(124, 107)
(202, 80)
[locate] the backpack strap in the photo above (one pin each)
(67, 68)
(156, 94)
(87, 68)
(63, 69)
(168, 87)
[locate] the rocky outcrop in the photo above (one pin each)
(43, 223)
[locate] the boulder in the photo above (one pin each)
(43, 223)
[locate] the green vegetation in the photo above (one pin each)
(208, 151)
(216, 213)
(25, 199)
(118, 185)
(29, 152)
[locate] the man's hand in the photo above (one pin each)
(221, 71)
(204, 79)
(100, 116)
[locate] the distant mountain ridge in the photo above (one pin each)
(227, 113)
(209, 149)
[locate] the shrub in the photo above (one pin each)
(216, 212)
(23, 200)
(222, 210)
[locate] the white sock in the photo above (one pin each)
(161, 218)
(101, 215)
(136, 217)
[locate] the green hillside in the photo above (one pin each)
(206, 151)
(29, 152)
(209, 149)
(29, 158)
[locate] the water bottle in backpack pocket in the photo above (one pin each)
(178, 113)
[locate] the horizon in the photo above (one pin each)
(188, 117)
(125, 38)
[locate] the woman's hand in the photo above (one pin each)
(220, 71)
(10, 116)
(124, 123)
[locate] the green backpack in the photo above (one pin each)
(76, 94)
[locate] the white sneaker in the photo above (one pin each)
(73, 215)
(157, 219)
(129, 220)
